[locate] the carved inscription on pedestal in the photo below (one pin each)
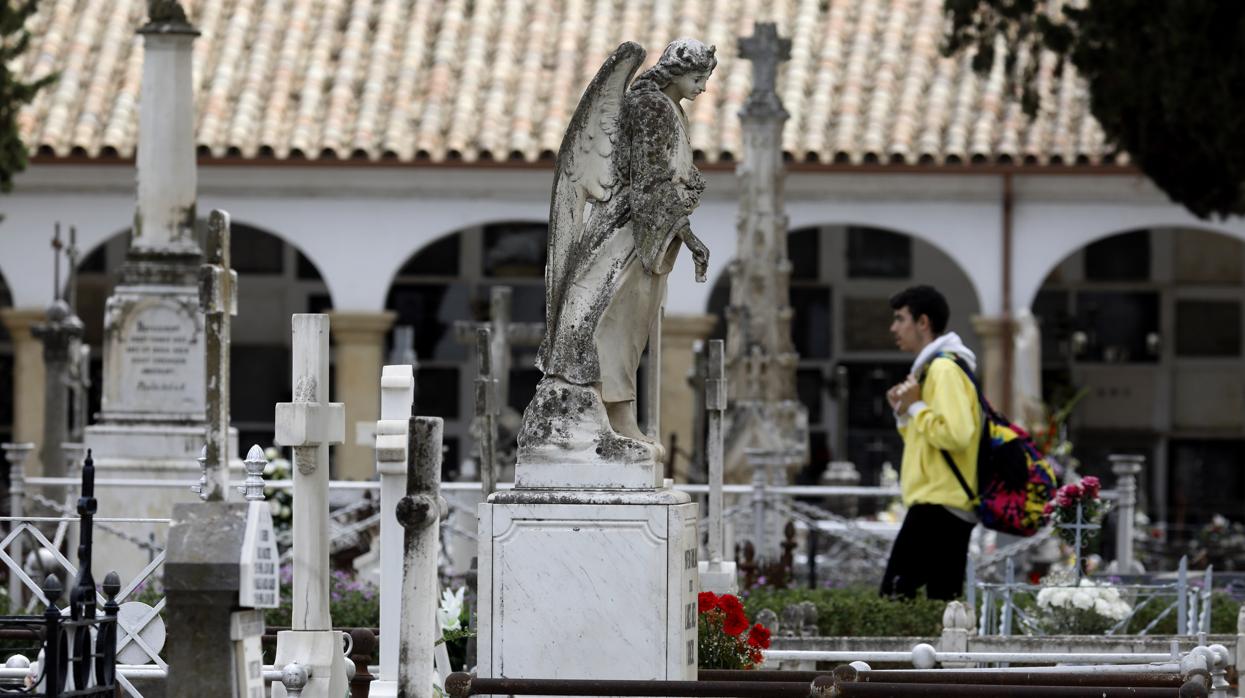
(154, 361)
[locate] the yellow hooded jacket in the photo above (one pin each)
(948, 416)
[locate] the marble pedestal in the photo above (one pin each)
(145, 452)
(588, 584)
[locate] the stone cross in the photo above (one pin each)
(309, 424)
(715, 406)
(717, 574)
(486, 412)
(218, 299)
(766, 50)
(60, 334)
(1079, 530)
(504, 334)
(397, 396)
(79, 377)
(418, 512)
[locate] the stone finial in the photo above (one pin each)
(809, 611)
(253, 488)
(924, 656)
(769, 619)
(294, 678)
(167, 17)
(792, 622)
(955, 616)
(52, 589)
(201, 488)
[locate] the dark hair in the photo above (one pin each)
(927, 301)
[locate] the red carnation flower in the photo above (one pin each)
(707, 601)
(756, 657)
(1091, 485)
(759, 636)
(736, 621)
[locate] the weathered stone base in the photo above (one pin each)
(566, 441)
(722, 578)
(320, 651)
(588, 585)
(145, 452)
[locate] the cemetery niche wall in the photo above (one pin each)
(1149, 322)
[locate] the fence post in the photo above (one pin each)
(53, 644)
(1126, 468)
(106, 662)
(16, 455)
(1240, 641)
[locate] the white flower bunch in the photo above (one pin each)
(451, 609)
(1072, 608)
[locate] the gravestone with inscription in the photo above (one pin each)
(152, 422)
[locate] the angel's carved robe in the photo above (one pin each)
(615, 276)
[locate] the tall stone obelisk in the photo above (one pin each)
(764, 413)
(152, 422)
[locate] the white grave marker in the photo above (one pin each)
(309, 424)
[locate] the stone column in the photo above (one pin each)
(359, 351)
(678, 333)
(990, 331)
(28, 379)
(1025, 406)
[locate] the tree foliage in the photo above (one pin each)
(15, 92)
(1165, 80)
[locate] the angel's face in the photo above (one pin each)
(690, 85)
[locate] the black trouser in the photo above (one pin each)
(930, 551)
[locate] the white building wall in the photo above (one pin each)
(358, 225)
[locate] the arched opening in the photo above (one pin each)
(842, 277)
(275, 280)
(450, 280)
(1149, 323)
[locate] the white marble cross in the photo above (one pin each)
(218, 299)
(717, 574)
(309, 424)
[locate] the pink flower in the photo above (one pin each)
(1091, 485)
(1063, 499)
(1049, 509)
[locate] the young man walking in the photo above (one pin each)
(939, 416)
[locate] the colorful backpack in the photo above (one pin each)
(1013, 477)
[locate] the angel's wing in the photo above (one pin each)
(585, 167)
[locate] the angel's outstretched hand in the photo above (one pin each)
(700, 255)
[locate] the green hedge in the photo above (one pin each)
(860, 612)
(855, 612)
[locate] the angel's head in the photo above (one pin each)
(686, 64)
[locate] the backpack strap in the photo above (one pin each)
(955, 470)
(986, 409)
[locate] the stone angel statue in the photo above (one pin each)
(623, 189)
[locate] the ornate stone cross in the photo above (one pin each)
(218, 299)
(766, 50)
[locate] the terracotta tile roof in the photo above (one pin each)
(479, 80)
